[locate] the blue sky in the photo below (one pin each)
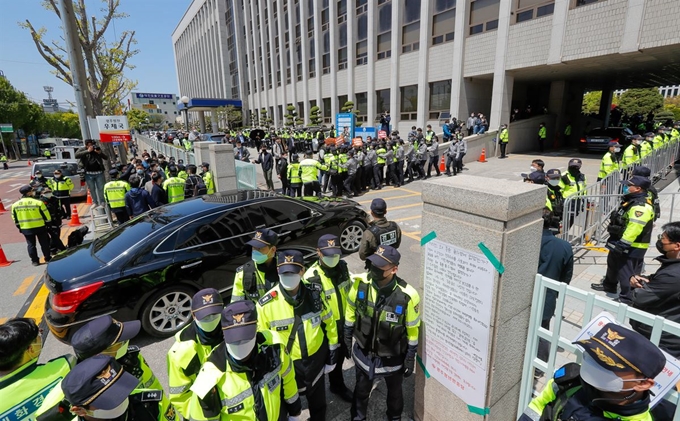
(153, 21)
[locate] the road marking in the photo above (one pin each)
(3, 320)
(15, 188)
(363, 202)
(412, 205)
(24, 285)
(406, 219)
(37, 308)
(410, 191)
(415, 235)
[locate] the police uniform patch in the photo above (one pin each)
(638, 213)
(281, 328)
(151, 396)
(416, 308)
(391, 317)
(399, 310)
(266, 298)
(235, 409)
(170, 414)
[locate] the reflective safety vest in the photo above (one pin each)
(388, 329)
(570, 185)
(608, 164)
(330, 161)
(542, 132)
(3, 158)
(381, 159)
(504, 136)
(659, 141)
(24, 391)
(30, 213)
(250, 283)
(48, 153)
(294, 173)
(187, 145)
(226, 390)
(61, 187)
(310, 168)
(428, 136)
(209, 181)
(342, 159)
(185, 358)
(646, 147)
(299, 321)
(174, 186)
(631, 155)
(183, 175)
(335, 289)
(114, 193)
(633, 222)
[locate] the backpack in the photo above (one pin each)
(199, 186)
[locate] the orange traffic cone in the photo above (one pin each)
(29, 163)
(442, 165)
(89, 198)
(482, 157)
(75, 219)
(3, 259)
(2, 207)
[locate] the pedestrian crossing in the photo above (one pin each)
(21, 174)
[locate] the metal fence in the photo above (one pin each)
(563, 331)
(586, 215)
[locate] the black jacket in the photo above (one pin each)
(556, 261)
(267, 161)
(661, 297)
(159, 195)
(91, 161)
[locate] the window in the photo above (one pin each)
(362, 43)
(410, 36)
(312, 60)
(342, 58)
(342, 11)
(326, 58)
(440, 98)
(578, 3)
(384, 40)
(382, 102)
(361, 6)
(325, 17)
(326, 110)
(530, 9)
(362, 53)
(342, 99)
(483, 15)
(409, 102)
(443, 21)
(342, 44)
(361, 106)
(221, 233)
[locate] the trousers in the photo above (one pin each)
(316, 400)
(44, 238)
(620, 268)
(121, 214)
(95, 183)
(312, 188)
(362, 391)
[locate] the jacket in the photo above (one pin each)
(661, 297)
(158, 194)
(555, 261)
(138, 201)
(266, 160)
(91, 161)
(381, 231)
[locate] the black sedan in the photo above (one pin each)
(597, 140)
(150, 267)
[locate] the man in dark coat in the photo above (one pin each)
(266, 159)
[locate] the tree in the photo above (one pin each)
(105, 61)
(137, 118)
(18, 110)
(591, 102)
(640, 101)
(229, 115)
(264, 119)
(62, 125)
(291, 116)
(156, 120)
(315, 115)
(349, 108)
(672, 105)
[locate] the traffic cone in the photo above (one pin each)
(482, 157)
(2, 207)
(29, 163)
(89, 198)
(3, 259)
(442, 165)
(75, 219)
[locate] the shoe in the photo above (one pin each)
(448, 173)
(35, 263)
(345, 394)
(601, 287)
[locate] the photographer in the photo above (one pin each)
(385, 121)
(92, 161)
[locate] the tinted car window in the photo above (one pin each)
(119, 241)
(66, 169)
(217, 232)
(283, 212)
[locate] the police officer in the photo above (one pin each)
(542, 135)
(47, 154)
(310, 174)
(39, 179)
(61, 188)
(613, 381)
(652, 192)
(294, 176)
(31, 217)
(631, 155)
(380, 232)
(174, 185)
(383, 316)
(332, 273)
(114, 194)
(24, 384)
(630, 230)
(54, 226)
(648, 145)
(351, 170)
(573, 182)
(503, 139)
(182, 170)
(99, 388)
(248, 376)
(370, 162)
(299, 313)
(3, 159)
(192, 346)
(610, 160)
(552, 179)
(207, 177)
(379, 169)
(259, 275)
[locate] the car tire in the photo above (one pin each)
(167, 311)
(350, 237)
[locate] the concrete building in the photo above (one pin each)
(164, 105)
(417, 58)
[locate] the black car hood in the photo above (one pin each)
(62, 268)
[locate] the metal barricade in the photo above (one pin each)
(565, 329)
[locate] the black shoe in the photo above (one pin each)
(601, 287)
(35, 263)
(345, 394)
(448, 173)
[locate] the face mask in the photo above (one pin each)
(140, 172)
(240, 351)
(109, 414)
(554, 183)
(574, 170)
(659, 247)
(617, 150)
(258, 257)
(625, 190)
(607, 380)
(533, 169)
(377, 274)
(48, 195)
(289, 281)
(331, 261)
(208, 323)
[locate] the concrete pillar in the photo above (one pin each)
(222, 166)
(202, 152)
(506, 220)
(423, 60)
(501, 99)
(606, 106)
(201, 120)
(459, 105)
(557, 104)
(395, 92)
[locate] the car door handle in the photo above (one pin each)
(190, 265)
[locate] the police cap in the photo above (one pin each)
(575, 162)
(100, 333)
(385, 255)
(642, 171)
(613, 143)
(205, 164)
(379, 206)
(99, 381)
(649, 134)
(553, 174)
(25, 189)
(113, 172)
(638, 181)
(329, 245)
(239, 321)
(264, 237)
(290, 261)
(206, 302)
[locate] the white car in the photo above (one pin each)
(68, 167)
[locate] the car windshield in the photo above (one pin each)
(121, 240)
(65, 167)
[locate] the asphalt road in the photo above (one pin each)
(22, 292)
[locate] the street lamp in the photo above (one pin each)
(185, 101)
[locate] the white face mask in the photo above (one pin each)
(241, 350)
(289, 281)
(617, 150)
(331, 261)
(554, 183)
(109, 414)
(208, 323)
(607, 381)
(533, 169)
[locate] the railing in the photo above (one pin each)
(565, 329)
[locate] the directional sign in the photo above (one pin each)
(6, 128)
(113, 128)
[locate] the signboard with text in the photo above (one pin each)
(6, 128)
(113, 128)
(342, 121)
(364, 132)
(145, 95)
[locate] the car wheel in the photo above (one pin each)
(350, 237)
(167, 311)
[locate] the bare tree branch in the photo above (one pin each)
(50, 57)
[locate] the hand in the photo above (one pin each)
(90, 148)
(409, 366)
(637, 281)
(328, 368)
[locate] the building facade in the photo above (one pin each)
(419, 58)
(164, 105)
